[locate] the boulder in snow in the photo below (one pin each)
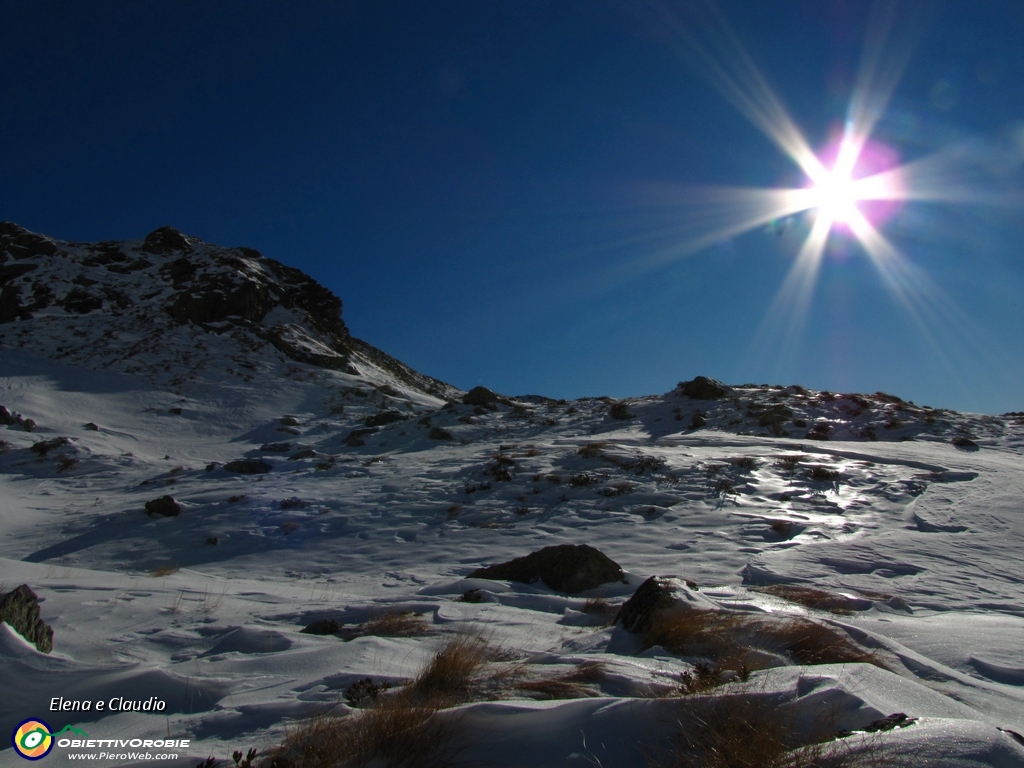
(569, 568)
(702, 388)
(248, 466)
(165, 506)
(20, 609)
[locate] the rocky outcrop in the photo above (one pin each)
(170, 285)
(165, 506)
(248, 467)
(702, 388)
(654, 596)
(20, 609)
(569, 568)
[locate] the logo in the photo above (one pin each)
(32, 739)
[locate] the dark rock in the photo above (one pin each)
(174, 411)
(964, 442)
(698, 421)
(20, 609)
(481, 396)
(637, 613)
(21, 243)
(29, 424)
(289, 421)
(81, 302)
(248, 466)
(355, 437)
(385, 417)
(6, 417)
(91, 426)
(436, 433)
(305, 453)
(10, 271)
(703, 388)
(216, 299)
(43, 447)
(276, 447)
(165, 240)
(11, 308)
(212, 540)
(322, 627)
(179, 271)
(472, 596)
(569, 568)
(165, 506)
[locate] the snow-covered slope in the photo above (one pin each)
(163, 367)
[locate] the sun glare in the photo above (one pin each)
(835, 196)
(854, 182)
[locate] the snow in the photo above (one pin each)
(921, 535)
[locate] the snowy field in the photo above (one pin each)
(910, 519)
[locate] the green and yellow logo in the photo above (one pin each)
(33, 740)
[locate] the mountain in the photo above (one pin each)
(172, 303)
(220, 502)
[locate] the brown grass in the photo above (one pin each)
(752, 730)
(816, 599)
(454, 671)
(395, 624)
(732, 640)
(393, 732)
(576, 684)
(164, 570)
(809, 642)
(600, 607)
(592, 450)
(398, 728)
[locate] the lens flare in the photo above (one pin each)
(853, 185)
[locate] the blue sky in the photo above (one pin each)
(493, 189)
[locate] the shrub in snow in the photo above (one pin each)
(620, 411)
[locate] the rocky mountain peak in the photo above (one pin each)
(172, 302)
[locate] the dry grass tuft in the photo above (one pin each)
(734, 731)
(164, 570)
(577, 684)
(816, 599)
(454, 671)
(393, 732)
(592, 450)
(733, 640)
(754, 730)
(812, 643)
(598, 606)
(695, 632)
(400, 729)
(396, 624)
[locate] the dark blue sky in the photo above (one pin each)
(482, 182)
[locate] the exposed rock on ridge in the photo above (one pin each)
(154, 305)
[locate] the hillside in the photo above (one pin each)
(312, 478)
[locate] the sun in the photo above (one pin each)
(834, 194)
